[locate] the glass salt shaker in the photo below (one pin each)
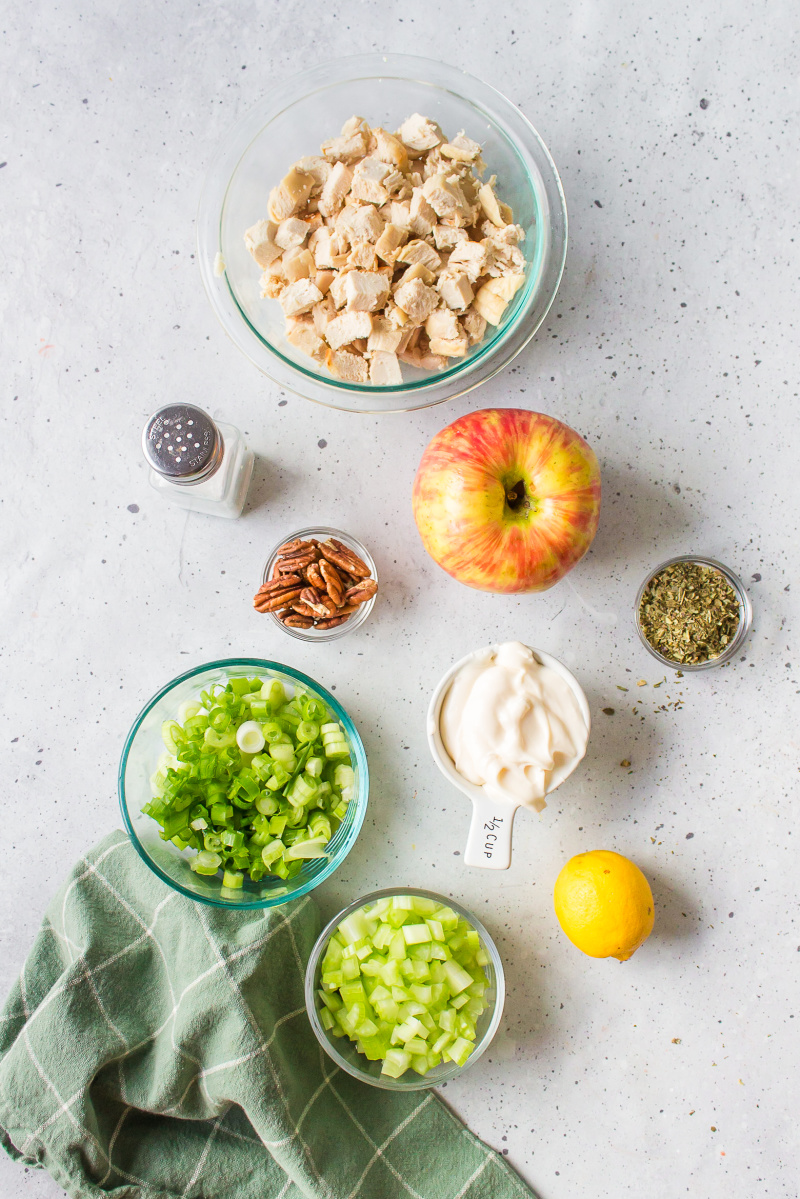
(196, 463)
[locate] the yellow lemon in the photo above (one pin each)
(604, 904)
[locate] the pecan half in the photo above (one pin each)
(302, 609)
(293, 547)
(332, 582)
(287, 566)
(281, 582)
(271, 603)
(298, 622)
(319, 603)
(340, 555)
(362, 591)
(314, 576)
(332, 623)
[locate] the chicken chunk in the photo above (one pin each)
(337, 185)
(384, 369)
(300, 297)
(471, 257)
(447, 237)
(419, 251)
(260, 241)
(389, 242)
(368, 178)
(416, 299)
(365, 291)
(493, 298)
(455, 289)
(346, 328)
(422, 217)
(419, 133)
(352, 368)
(474, 326)
(290, 195)
(301, 334)
(461, 149)
(291, 232)
(488, 202)
(298, 264)
(384, 335)
(446, 198)
(390, 149)
(442, 323)
(359, 223)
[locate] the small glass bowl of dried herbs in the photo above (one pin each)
(693, 613)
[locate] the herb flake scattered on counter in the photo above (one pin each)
(689, 613)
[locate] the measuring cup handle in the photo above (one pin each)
(489, 841)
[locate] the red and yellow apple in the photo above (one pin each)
(507, 500)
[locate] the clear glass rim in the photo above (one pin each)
(424, 1083)
(358, 618)
(499, 349)
(745, 613)
(360, 765)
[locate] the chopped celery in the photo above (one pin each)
(400, 1002)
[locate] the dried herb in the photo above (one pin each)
(689, 613)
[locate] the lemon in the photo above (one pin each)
(604, 904)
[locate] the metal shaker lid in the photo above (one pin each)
(182, 443)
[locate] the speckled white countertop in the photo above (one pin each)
(671, 347)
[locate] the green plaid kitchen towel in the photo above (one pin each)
(156, 1048)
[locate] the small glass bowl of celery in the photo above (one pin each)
(243, 783)
(404, 989)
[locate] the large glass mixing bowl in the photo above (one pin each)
(290, 122)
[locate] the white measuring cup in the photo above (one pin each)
(491, 828)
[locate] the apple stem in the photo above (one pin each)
(516, 497)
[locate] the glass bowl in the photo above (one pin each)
(745, 614)
(358, 618)
(144, 746)
(343, 1050)
(291, 121)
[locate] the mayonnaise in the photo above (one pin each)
(512, 725)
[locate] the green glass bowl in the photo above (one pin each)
(291, 120)
(144, 746)
(343, 1050)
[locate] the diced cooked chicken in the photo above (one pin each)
(384, 369)
(384, 335)
(318, 168)
(419, 133)
(447, 237)
(351, 368)
(470, 257)
(493, 298)
(455, 289)
(389, 242)
(301, 334)
(474, 326)
(417, 300)
(488, 202)
(417, 270)
(422, 217)
(290, 195)
(419, 251)
(291, 232)
(260, 241)
(442, 323)
(359, 223)
(336, 188)
(328, 250)
(368, 178)
(461, 149)
(299, 297)
(400, 214)
(366, 291)
(374, 252)
(346, 328)
(363, 257)
(323, 313)
(390, 149)
(273, 280)
(323, 280)
(446, 198)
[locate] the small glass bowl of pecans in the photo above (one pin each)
(693, 613)
(318, 584)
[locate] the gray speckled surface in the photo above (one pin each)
(671, 347)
